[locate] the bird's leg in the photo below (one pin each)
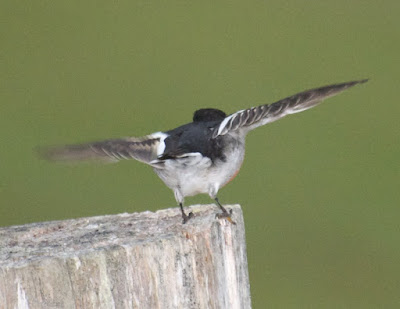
(185, 217)
(225, 214)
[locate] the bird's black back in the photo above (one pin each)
(196, 136)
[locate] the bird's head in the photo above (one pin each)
(208, 114)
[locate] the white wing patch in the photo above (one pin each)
(162, 136)
(226, 120)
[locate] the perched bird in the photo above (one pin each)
(201, 156)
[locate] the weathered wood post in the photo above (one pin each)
(140, 260)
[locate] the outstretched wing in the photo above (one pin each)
(254, 117)
(144, 149)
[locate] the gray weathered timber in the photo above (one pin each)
(140, 260)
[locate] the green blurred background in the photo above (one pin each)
(319, 190)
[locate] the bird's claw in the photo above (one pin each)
(226, 215)
(186, 217)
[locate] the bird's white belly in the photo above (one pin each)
(197, 174)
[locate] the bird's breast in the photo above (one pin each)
(199, 174)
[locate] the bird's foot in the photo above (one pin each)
(226, 215)
(186, 217)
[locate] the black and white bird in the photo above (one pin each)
(203, 155)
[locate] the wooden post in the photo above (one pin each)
(140, 260)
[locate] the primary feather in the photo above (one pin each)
(254, 117)
(143, 149)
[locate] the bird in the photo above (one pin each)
(202, 156)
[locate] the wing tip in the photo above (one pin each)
(71, 153)
(356, 82)
(44, 153)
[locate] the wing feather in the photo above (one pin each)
(254, 117)
(145, 149)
